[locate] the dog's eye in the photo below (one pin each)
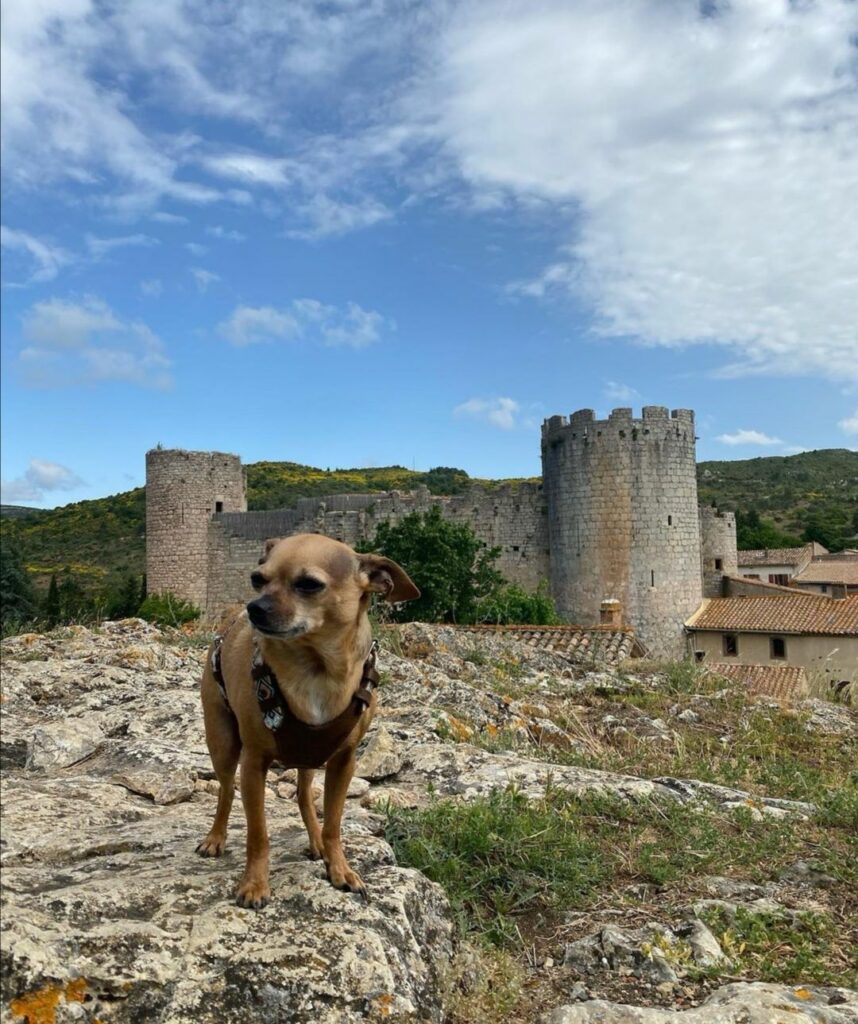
(257, 580)
(308, 585)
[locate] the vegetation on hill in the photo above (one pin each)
(780, 501)
(787, 500)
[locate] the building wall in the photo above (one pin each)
(826, 658)
(764, 571)
(183, 490)
(717, 547)
(623, 519)
(511, 518)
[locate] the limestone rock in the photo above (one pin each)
(741, 1003)
(380, 759)
(828, 718)
(162, 787)
(62, 743)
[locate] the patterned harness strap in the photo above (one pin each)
(301, 744)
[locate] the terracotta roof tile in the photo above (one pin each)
(783, 682)
(782, 613)
(831, 570)
(607, 644)
(774, 556)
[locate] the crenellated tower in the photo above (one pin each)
(718, 555)
(623, 523)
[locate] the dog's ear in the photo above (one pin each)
(384, 576)
(266, 548)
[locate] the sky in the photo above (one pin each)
(373, 232)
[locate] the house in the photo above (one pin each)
(777, 565)
(780, 627)
(835, 574)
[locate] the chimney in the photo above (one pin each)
(611, 613)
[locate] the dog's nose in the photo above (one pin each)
(258, 610)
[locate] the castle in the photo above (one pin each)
(615, 517)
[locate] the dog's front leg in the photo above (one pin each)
(254, 890)
(338, 775)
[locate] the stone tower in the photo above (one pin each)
(718, 553)
(183, 490)
(623, 521)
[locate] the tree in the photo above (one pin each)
(17, 596)
(52, 603)
(123, 603)
(447, 561)
(754, 532)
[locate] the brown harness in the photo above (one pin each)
(301, 744)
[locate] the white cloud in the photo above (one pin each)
(204, 278)
(168, 218)
(325, 216)
(196, 249)
(100, 247)
(40, 477)
(619, 392)
(230, 235)
(701, 160)
(499, 412)
(152, 287)
(44, 260)
(248, 325)
(849, 424)
(352, 326)
(251, 168)
(748, 437)
(85, 342)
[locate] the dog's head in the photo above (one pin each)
(310, 584)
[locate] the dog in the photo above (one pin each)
(306, 638)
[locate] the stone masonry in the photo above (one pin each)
(616, 517)
(623, 520)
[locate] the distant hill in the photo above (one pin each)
(103, 540)
(15, 511)
(813, 495)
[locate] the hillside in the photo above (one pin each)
(813, 493)
(103, 540)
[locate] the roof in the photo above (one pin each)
(831, 570)
(610, 644)
(773, 556)
(783, 682)
(779, 613)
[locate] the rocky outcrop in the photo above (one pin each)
(755, 1003)
(109, 916)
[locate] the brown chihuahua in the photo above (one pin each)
(307, 638)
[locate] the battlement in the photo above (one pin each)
(654, 419)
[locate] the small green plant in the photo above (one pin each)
(168, 610)
(782, 946)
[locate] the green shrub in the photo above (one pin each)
(509, 603)
(168, 610)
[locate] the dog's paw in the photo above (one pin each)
(347, 881)
(253, 895)
(313, 852)
(212, 846)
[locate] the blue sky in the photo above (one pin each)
(353, 234)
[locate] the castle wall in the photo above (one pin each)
(718, 554)
(623, 522)
(511, 518)
(183, 490)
